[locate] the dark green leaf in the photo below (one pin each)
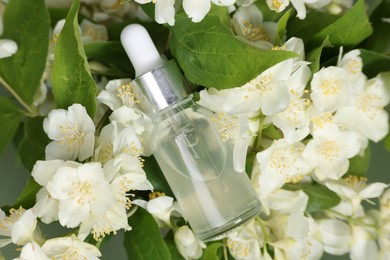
(27, 23)
(71, 78)
(313, 23)
(10, 116)
(315, 56)
(112, 54)
(358, 165)
(155, 176)
(349, 30)
(250, 160)
(202, 51)
(32, 147)
(169, 240)
(379, 41)
(320, 197)
(374, 62)
(212, 252)
(27, 198)
(144, 241)
(148, 9)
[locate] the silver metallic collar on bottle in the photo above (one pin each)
(160, 87)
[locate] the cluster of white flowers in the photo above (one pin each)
(325, 119)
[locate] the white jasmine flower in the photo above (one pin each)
(46, 207)
(141, 123)
(72, 132)
(352, 190)
(80, 191)
(336, 236)
(290, 235)
(118, 93)
(70, 248)
(187, 244)
(246, 241)
(32, 251)
(353, 64)
(164, 11)
(279, 164)
(160, 207)
(20, 226)
(268, 91)
(316, 249)
(363, 245)
(91, 32)
(294, 122)
(329, 153)
(331, 89)
(7, 48)
(367, 114)
(287, 202)
(248, 23)
(299, 5)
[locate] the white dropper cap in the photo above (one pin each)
(140, 48)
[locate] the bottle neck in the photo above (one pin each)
(174, 109)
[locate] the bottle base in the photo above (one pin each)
(216, 233)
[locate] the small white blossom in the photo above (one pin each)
(20, 227)
(80, 191)
(160, 207)
(279, 164)
(352, 190)
(32, 251)
(118, 93)
(246, 241)
(353, 64)
(331, 89)
(72, 132)
(187, 244)
(336, 236)
(367, 114)
(363, 244)
(70, 248)
(91, 32)
(248, 23)
(329, 152)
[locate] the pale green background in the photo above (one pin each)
(13, 178)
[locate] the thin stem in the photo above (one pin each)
(225, 255)
(31, 110)
(259, 134)
(264, 231)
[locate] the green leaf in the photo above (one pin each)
(202, 51)
(212, 252)
(71, 77)
(320, 197)
(315, 56)
(26, 23)
(112, 54)
(32, 147)
(144, 241)
(155, 176)
(374, 63)
(282, 25)
(358, 165)
(379, 41)
(27, 198)
(169, 240)
(313, 23)
(221, 12)
(349, 30)
(10, 116)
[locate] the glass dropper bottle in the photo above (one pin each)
(197, 164)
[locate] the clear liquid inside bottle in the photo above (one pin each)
(198, 166)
